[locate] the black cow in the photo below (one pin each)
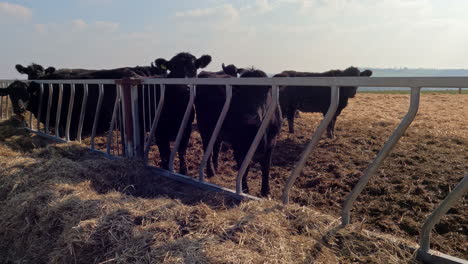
(245, 115)
(26, 96)
(316, 99)
(182, 65)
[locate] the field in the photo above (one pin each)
(87, 209)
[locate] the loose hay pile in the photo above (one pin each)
(62, 204)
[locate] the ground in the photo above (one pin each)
(90, 209)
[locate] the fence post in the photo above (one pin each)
(131, 117)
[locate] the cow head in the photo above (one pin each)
(183, 65)
(350, 72)
(20, 95)
(34, 71)
(251, 99)
(232, 70)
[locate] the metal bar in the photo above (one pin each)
(49, 105)
(39, 112)
(83, 112)
(184, 124)
(435, 82)
(30, 120)
(459, 90)
(128, 122)
(98, 111)
(143, 89)
(113, 121)
(59, 111)
(137, 147)
(214, 136)
(150, 119)
(382, 155)
(7, 110)
(1, 106)
(121, 126)
(253, 147)
(457, 193)
(70, 111)
(155, 121)
(334, 99)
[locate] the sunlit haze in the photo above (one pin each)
(273, 35)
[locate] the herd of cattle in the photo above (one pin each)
(246, 112)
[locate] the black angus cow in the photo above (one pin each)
(316, 99)
(245, 115)
(182, 65)
(26, 96)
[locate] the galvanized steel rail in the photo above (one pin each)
(424, 252)
(130, 111)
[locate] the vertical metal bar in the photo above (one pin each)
(7, 110)
(39, 111)
(1, 105)
(70, 111)
(113, 121)
(457, 193)
(59, 111)
(49, 105)
(150, 119)
(137, 147)
(214, 136)
(299, 166)
(459, 90)
(127, 116)
(182, 127)
(143, 89)
(30, 120)
(155, 120)
(261, 131)
(382, 155)
(122, 127)
(96, 117)
(83, 112)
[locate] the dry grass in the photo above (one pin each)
(62, 204)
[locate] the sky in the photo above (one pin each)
(272, 35)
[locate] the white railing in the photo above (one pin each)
(127, 105)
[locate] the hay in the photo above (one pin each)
(63, 204)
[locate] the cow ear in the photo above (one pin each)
(162, 63)
(4, 91)
(203, 61)
(21, 69)
(367, 73)
(224, 67)
(50, 70)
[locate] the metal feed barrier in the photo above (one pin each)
(136, 102)
(5, 104)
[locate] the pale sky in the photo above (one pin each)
(273, 35)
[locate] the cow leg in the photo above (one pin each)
(265, 164)
(331, 128)
(164, 153)
(290, 115)
(183, 149)
(216, 149)
(239, 156)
